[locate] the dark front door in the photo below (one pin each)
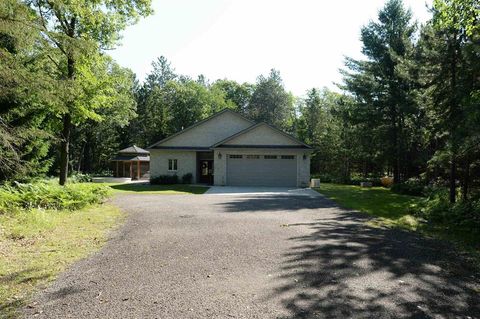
(206, 171)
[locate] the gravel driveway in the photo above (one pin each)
(254, 256)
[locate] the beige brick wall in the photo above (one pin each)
(210, 132)
(186, 161)
(262, 135)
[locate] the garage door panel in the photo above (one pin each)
(261, 172)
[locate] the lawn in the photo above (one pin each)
(394, 210)
(158, 189)
(39, 244)
(391, 208)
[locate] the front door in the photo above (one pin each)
(206, 171)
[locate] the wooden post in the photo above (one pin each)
(131, 169)
(116, 171)
(123, 169)
(138, 169)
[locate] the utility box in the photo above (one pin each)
(366, 184)
(315, 182)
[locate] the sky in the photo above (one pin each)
(306, 40)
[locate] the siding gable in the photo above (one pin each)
(205, 134)
(262, 134)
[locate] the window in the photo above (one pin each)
(270, 156)
(235, 156)
(253, 156)
(287, 157)
(172, 165)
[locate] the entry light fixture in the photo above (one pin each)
(219, 155)
(304, 156)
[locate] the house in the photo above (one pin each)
(133, 162)
(228, 149)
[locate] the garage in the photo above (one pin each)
(261, 170)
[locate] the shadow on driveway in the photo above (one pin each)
(280, 203)
(347, 269)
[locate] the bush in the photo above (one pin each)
(164, 180)
(80, 178)
(44, 195)
(187, 178)
(438, 209)
(412, 186)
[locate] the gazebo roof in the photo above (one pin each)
(134, 150)
(133, 158)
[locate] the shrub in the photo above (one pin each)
(438, 209)
(80, 178)
(164, 180)
(187, 178)
(44, 195)
(412, 186)
(386, 181)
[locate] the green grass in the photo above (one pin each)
(158, 189)
(391, 209)
(394, 210)
(39, 244)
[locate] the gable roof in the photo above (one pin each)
(134, 158)
(248, 129)
(199, 123)
(133, 150)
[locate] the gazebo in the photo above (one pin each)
(133, 162)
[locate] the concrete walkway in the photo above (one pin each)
(263, 191)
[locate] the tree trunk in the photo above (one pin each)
(453, 178)
(396, 146)
(81, 158)
(466, 179)
(65, 148)
(67, 128)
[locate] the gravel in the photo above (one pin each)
(259, 256)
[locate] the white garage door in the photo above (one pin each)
(261, 170)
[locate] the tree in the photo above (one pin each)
(449, 48)
(26, 95)
(96, 140)
(382, 85)
(188, 101)
(271, 103)
(76, 33)
(236, 93)
(162, 72)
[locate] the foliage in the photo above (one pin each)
(26, 95)
(236, 94)
(75, 35)
(187, 178)
(164, 180)
(81, 178)
(383, 86)
(438, 209)
(412, 186)
(47, 195)
(270, 102)
(448, 52)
